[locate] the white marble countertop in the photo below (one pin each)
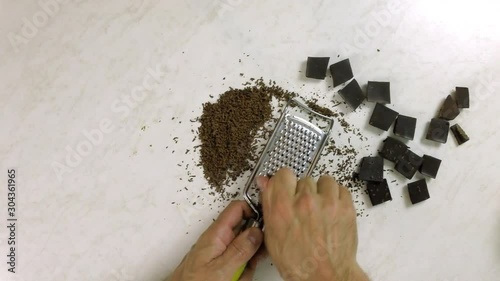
(116, 72)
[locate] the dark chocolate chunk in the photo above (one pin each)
(378, 92)
(430, 166)
(372, 169)
(316, 67)
(379, 192)
(462, 97)
(438, 130)
(449, 110)
(353, 94)
(459, 134)
(383, 117)
(393, 149)
(418, 191)
(405, 127)
(406, 169)
(409, 164)
(341, 72)
(413, 158)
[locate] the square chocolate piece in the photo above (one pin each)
(405, 127)
(459, 134)
(393, 149)
(418, 191)
(316, 67)
(353, 94)
(341, 72)
(438, 130)
(406, 169)
(379, 192)
(430, 166)
(383, 117)
(372, 169)
(462, 97)
(449, 110)
(379, 92)
(409, 164)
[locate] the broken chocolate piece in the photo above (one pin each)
(316, 67)
(413, 158)
(372, 169)
(462, 97)
(353, 94)
(341, 72)
(418, 191)
(449, 110)
(430, 166)
(409, 164)
(393, 149)
(405, 127)
(378, 92)
(459, 134)
(383, 117)
(438, 130)
(379, 192)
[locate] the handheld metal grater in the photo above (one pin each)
(296, 143)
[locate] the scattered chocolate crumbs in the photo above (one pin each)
(228, 129)
(321, 110)
(231, 125)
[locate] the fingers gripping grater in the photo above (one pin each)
(296, 143)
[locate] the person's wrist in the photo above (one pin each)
(351, 272)
(357, 274)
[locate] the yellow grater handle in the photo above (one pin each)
(248, 224)
(239, 272)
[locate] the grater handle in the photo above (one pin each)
(251, 222)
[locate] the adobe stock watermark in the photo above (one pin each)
(482, 90)
(225, 6)
(121, 275)
(312, 263)
(40, 19)
(195, 209)
(94, 137)
(377, 21)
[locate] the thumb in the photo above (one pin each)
(262, 182)
(264, 194)
(242, 249)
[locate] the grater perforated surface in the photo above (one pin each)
(296, 143)
(294, 147)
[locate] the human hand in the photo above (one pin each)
(310, 228)
(220, 250)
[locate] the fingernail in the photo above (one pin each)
(255, 236)
(261, 182)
